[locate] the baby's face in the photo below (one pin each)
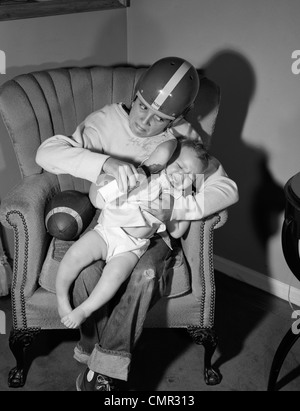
(184, 167)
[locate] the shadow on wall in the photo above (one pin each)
(255, 218)
(205, 110)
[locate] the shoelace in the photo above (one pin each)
(104, 384)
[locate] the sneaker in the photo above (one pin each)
(80, 355)
(92, 381)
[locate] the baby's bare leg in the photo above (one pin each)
(116, 271)
(88, 248)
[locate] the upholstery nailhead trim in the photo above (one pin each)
(15, 269)
(212, 272)
(202, 275)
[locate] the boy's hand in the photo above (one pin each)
(125, 174)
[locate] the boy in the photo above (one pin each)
(116, 240)
(115, 139)
(164, 94)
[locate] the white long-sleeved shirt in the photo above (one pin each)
(103, 134)
(106, 133)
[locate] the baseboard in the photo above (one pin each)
(258, 280)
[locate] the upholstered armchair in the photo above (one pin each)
(38, 105)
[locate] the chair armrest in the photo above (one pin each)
(23, 210)
(197, 244)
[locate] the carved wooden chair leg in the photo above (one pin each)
(19, 341)
(208, 338)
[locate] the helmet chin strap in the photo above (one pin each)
(174, 122)
(180, 117)
(133, 100)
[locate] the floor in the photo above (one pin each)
(250, 324)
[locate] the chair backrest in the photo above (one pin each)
(40, 104)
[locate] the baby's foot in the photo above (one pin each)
(63, 306)
(74, 318)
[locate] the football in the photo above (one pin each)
(68, 214)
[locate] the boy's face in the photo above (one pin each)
(144, 121)
(184, 167)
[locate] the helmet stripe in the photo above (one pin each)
(171, 84)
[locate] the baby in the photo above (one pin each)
(125, 226)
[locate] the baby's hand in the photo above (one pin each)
(165, 207)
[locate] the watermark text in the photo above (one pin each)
(296, 324)
(2, 322)
(296, 64)
(2, 62)
(151, 191)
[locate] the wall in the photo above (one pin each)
(246, 48)
(81, 39)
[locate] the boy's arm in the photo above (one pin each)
(73, 155)
(217, 193)
(160, 156)
(177, 228)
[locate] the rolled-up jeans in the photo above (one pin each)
(111, 333)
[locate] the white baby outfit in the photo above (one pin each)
(133, 212)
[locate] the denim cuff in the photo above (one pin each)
(113, 364)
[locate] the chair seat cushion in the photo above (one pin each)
(178, 279)
(54, 256)
(175, 313)
(41, 312)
